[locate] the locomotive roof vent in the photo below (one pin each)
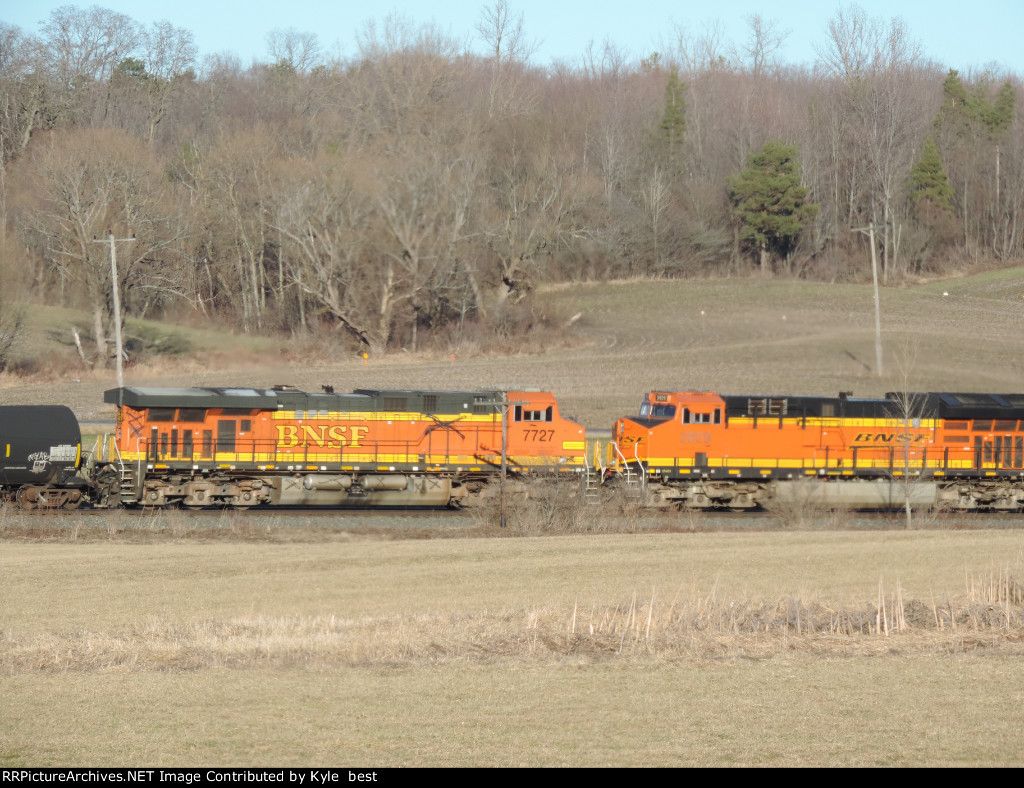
(284, 387)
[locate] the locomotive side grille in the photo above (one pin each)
(767, 406)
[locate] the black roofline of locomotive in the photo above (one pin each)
(922, 405)
(276, 399)
(895, 405)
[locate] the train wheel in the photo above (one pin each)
(27, 497)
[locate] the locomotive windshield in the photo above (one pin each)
(648, 411)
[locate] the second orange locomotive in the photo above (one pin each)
(704, 450)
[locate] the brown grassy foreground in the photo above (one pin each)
(775, 648)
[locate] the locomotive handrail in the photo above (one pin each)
(395, 450)
(643, 471)
(625, 462)
(622, 456)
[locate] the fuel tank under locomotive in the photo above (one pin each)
(319, 489)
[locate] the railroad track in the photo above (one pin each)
(383, 520)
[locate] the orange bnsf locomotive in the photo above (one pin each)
(241, 447)
(705, 450)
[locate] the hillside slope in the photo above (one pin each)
(735, 335)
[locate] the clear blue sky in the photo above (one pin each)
(964, 35)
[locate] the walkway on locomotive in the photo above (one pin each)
(696, 434)
(382, 430)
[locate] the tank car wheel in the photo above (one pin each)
(26, 500)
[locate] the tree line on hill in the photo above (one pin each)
(416, 192)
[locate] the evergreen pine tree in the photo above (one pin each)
(673, 123)
(953, 91)
(769, 201)
(928, 181)
(998, 116)
(963, 111)
(957, 113)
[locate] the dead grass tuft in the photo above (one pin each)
(166, 525)
(989, 615)
(558, 506)
(803, 509)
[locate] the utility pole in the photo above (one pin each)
(504, 458)
(870, 232)
(118, 345)
(504, 409)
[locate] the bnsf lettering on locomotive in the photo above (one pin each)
(888, 437)
(291, 435)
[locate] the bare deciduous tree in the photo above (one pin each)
(764, 40)
(883, 114)
(12, 321)
(85, 46)
(170, 54)
(237, 190)
(301, 51)
(508, 52)
(324, 213)
(93, 183)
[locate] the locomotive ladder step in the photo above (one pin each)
(127, 483)
(593, 483)
(634, 482)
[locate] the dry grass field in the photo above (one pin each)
(160, 641)
(799, 648)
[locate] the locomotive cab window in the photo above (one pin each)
(161, 414)
(690, 417)
(535, 415)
